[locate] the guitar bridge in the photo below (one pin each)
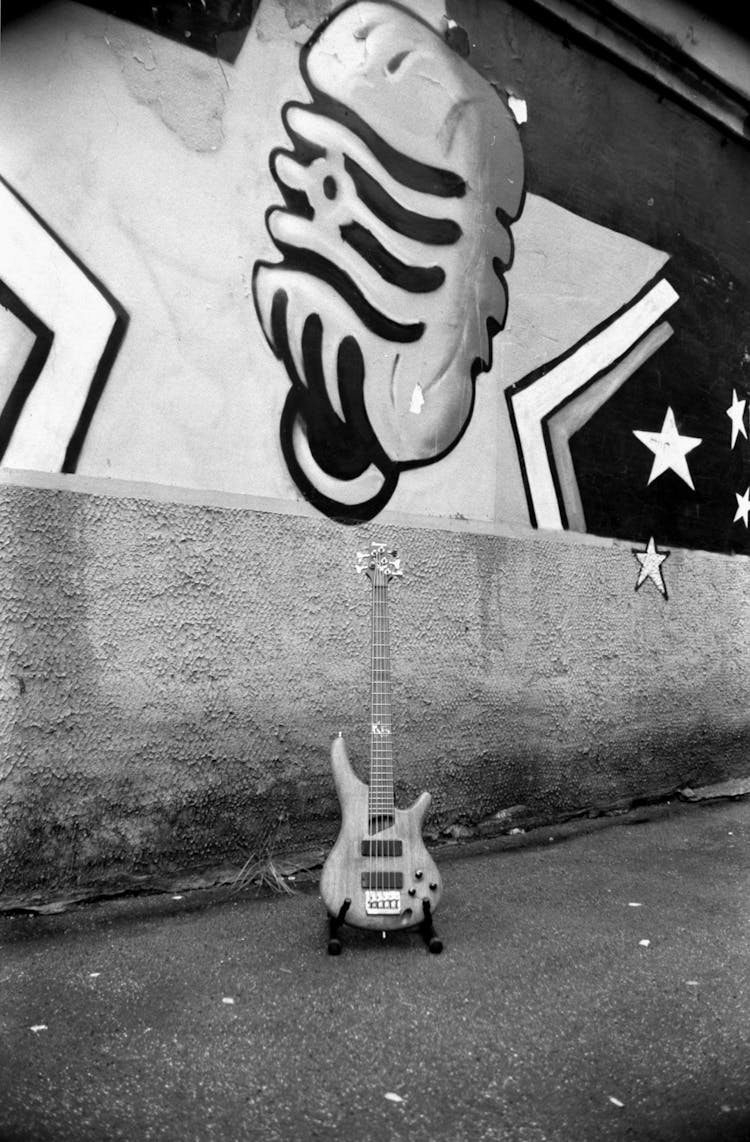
(382, 903)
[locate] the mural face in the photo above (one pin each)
(375, 255)
(405, 175)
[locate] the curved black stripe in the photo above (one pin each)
(431, 231)
(415, 279)
(350, 367)
(296, 200)
(334, 509)
(344, 449)
(403, 168)
(334, 444)
(308, 262)
(500, 268)
(96, 388)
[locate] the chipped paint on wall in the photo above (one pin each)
(186, 92)
(216, 27)
(306, 13)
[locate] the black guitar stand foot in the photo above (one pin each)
(334, 923)
(427, 930)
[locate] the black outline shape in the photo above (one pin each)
(317, 266)
(307, 402)
(439, 182)
(32, 367)
(664, 594)
(535, 375)
(414, 279)
(420, 227)
(109, 354)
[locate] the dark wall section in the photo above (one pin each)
(217, 27)
(611, 148)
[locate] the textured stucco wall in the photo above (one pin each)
(173, 673)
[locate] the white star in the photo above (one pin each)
(736, 413)
(669, 449)
(743, 506)
(651, 561)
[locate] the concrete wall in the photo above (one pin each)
(174, 674)
(186, 477)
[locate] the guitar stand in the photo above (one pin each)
(426, 929)
(334, 923)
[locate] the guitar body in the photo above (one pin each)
(387, 875)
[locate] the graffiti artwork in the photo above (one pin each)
(395, 241)
(434, 258)
(404, 179)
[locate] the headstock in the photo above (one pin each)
(379, 564)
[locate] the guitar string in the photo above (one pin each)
(386, 717)
(376, 714)
(371, 807)
(381, 808)
(382, 711)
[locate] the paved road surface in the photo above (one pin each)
(547, 1017)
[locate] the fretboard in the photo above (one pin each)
(381, 738)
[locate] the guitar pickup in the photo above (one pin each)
(382, 880)
(386, 848)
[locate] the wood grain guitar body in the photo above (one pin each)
(380, 864)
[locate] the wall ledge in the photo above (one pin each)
(708, 77)
(235, 501)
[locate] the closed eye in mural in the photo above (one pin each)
(404, 177)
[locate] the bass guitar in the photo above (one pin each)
(378, 874)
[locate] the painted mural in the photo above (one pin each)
(405, 175)
(373, 255)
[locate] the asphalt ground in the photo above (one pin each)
(589, 989)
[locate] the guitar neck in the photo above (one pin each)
(381, 802)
